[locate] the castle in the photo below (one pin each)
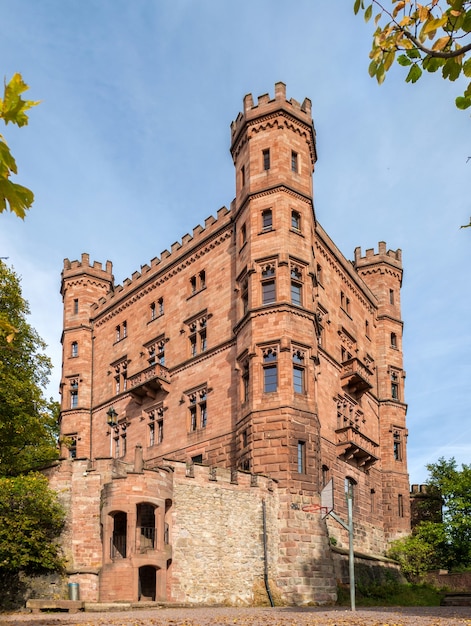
(210, 397)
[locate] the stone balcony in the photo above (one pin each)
(148, 382)
(356, 448)
(356, 377)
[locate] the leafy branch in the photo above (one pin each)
(13, 108)
(408, 26)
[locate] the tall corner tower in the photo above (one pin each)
(382, 272)
(82, 285)
(274, 152)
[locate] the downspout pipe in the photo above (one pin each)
(265, 554)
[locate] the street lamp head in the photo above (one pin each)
(111, 417)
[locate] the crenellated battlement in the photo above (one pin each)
(390, 257)
(212, 225)
(266, 105)
(75, 268)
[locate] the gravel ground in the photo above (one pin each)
(415, 616)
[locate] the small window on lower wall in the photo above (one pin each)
(301, 457)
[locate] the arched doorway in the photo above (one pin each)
(147, 583)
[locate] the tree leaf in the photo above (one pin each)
(403, 60)
(368, 13)
(15, 197)
(463, 103)
(467, 68)
(414, 74)
(13, 107)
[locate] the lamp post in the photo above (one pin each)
(111, 420)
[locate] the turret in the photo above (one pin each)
(82, 285)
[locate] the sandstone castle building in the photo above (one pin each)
(215, 393)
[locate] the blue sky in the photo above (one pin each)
(129, 150)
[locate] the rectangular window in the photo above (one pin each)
(295, 221)
(397, 446)
(268, 292)
(294, 161)
(243, 235)
(400, 505)
(301, 457)
(245, 382)
(367, 329)
(296, 293)
(202, 277)
(394, 386)
(267, 219)
(76, 305)
(160, 431)
(270, 370)
(160, 302)
(319, 274)
(268, 285)
(118, 333)
(391, 296)
(125, 330)
(198, 410)
(151, 433)
(74, 394)
(393, 340)
(242, 175)
(298, 371)
(244, 294)
(198, 337)
(74, 349)
(193, 284)
(266, 159)
(152, 311)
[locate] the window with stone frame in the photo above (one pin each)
(197, 282)
(121, 375)
(198, 409)
(266, 159)
(155, 425)
(74, 349)
(243, 235)
(296, 276)
(74, 390)
(197, 335)
(121, 331)
(395, 386)
(156, 350)
(120, 439)
(268, 283)
(270, 369)
(70, 442)
(400, 505)
(267, 220)
(294, 161)
(244, 295)
(398, 437)
(295, 221)
(156, 309)
(299, 370)
(245, 378)
(76, 306)
(394, 340)
(301, 457)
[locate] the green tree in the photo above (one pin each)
(432, 36)
(454, 486)
(28, 421)
(13, 110)
(32, 519)
(445, 544)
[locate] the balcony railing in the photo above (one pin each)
(149, 381)
(356, 448)
(356, 376)
(147, 538)
(118, 546)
